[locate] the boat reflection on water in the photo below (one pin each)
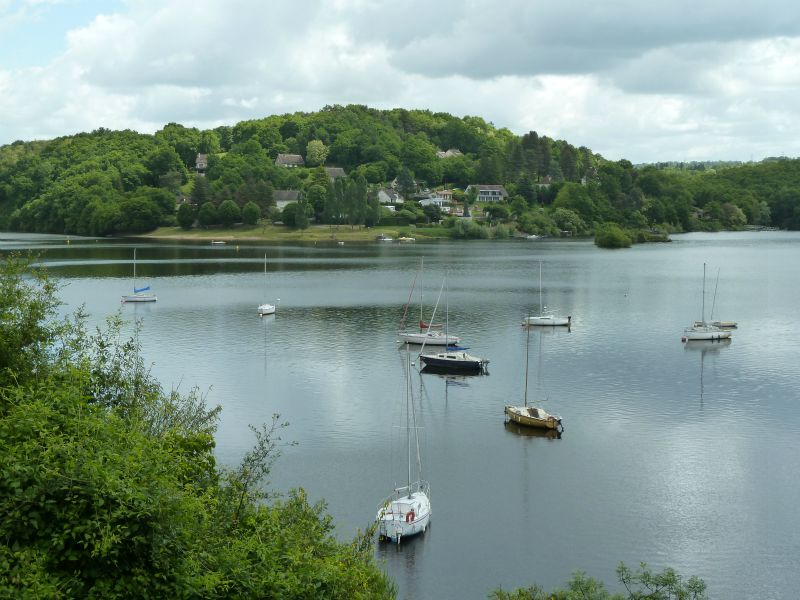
(707, 346)
(704, 347)
(517, 429)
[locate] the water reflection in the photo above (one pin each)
(532, 432)
(705, 347)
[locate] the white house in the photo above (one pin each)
(489, 193)
(284, 197)
(389, 196)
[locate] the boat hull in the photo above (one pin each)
(431, 338)
(404, 516)
(140, 298)
(705, 333)
(533, 417)
(548, 321)
(455, 362)
(266, 309)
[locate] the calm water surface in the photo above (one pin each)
(682, 455)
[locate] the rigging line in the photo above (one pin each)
(433, 316)
(408, 302)
(714, 300)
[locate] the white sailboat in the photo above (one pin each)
(545, 316)
(139, 294)
(407, 511)
(427, 334)
(266, 308)
(703, 330)
(531, 416)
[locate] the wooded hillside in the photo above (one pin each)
(115, 182)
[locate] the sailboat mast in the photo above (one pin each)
(446, 312)
(541, 306)
(408, 413)
(134, 270)
(421, 289)
(704, 294)
(527, 355)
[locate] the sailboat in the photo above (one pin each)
(545, 316)
(266, 308)
(703, 330)
(407, 511)
(427, 335)
(452, 359)
(720, 324)
(139, 294)
(531, 416)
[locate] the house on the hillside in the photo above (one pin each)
(335, 173)
(284, 197)
(389, 196)
(544, 181)
(446, 194)
(433, 201)
(489, 193)
(201, 164)
(449, 153)
(289, 160)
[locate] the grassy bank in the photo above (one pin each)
(314, 233)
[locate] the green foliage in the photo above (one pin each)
(611, 235)
(208, 215)
(78, 184)
(185, 216)
(316, 153)
(229, 213)
(109, 487)
(642, 584)
(251, 213)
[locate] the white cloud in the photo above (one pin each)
(644, 81)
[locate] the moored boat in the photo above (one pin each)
(454, 361)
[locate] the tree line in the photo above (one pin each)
(112, 182)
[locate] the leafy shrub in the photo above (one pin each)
(611, 235)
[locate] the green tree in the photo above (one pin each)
(316, 153)
(201, 193)
(251, 213)
(229, 213)
(639, 585)
(207, 215)
(109, 487)
(185, 216)
(611, 235)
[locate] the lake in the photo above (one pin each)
(676, 454)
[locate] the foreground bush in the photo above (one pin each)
(109, 487)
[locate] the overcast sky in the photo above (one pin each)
(646, 80)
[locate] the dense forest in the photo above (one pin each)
(115, 182)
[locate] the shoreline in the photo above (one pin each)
(314, 233)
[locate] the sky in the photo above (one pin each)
(644, 80)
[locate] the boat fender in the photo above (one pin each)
(410, 516)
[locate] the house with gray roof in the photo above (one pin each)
(284, 197)
(489, 193)
(290, 160)
(335, 172)
(449, 153)
(389, 196)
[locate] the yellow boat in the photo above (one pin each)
(530, 416)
